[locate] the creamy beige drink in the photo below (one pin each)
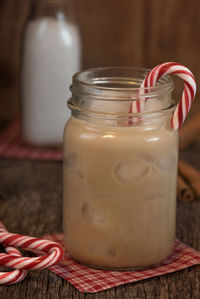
(119, 192)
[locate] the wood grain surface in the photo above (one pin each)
(31, 203)
(123, 32)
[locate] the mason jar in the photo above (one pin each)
(120, 170)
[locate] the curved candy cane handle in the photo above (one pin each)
(54, 251)
(188, 94)
(8, 278)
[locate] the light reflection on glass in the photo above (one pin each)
(152, 139)
(66, 37)
(108, 135)
(60, 16)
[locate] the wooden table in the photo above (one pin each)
(31, 203)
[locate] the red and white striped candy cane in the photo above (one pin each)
(53, 252)
(12, 277)
(188, 94)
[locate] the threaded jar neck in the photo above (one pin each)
(111, 90)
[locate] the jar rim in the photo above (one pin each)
(96, 91)
(93, 81)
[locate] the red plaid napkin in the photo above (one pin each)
(88, 280)
(12, 146)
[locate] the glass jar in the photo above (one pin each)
(51, 53)
(120, 170)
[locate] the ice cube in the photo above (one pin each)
(91, 214)
(129, 171)
(71, 162)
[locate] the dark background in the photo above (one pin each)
(114, 32)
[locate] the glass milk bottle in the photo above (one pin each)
(51, 54)
(120, 171)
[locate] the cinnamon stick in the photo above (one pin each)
(191, 176)
(190, 131)
(184, 191)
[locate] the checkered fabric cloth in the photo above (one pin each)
(88, 280)
(12, 146)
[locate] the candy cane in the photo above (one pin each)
(8, 278)
(188, 94)
(53, 250)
